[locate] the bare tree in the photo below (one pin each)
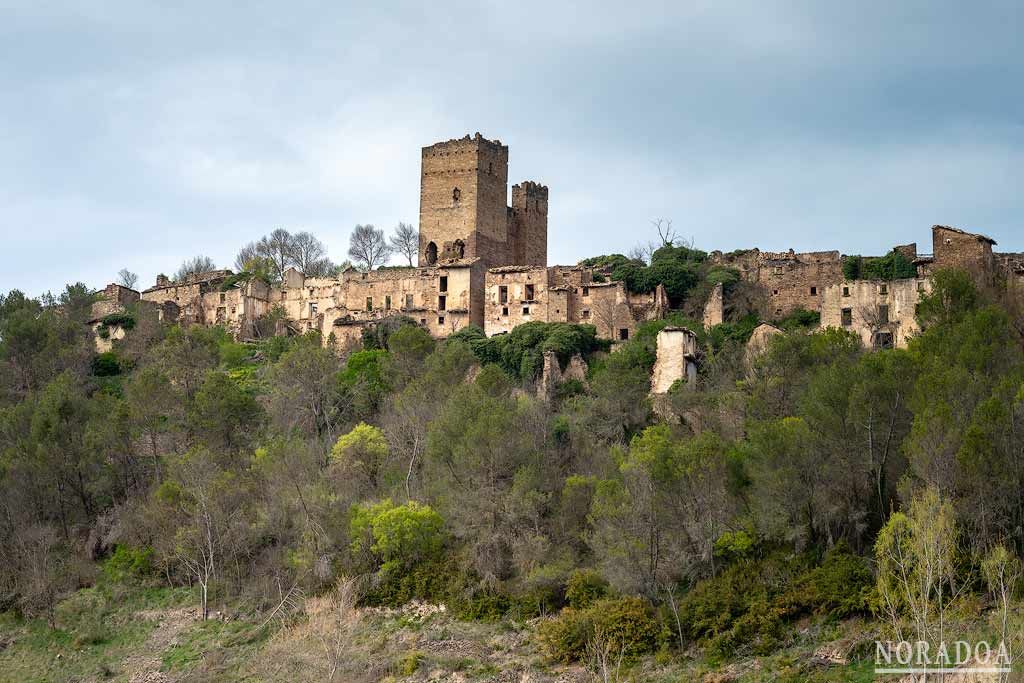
(406, 241)
(280, 250)
(127, 278)
(643, 252)
(667, 235)
(246, 256)
(368, 248)
(279, 247)
(194, 266)
(310, 255)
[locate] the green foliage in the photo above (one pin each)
(128, 565)
(892, 266)
(520, 353)
(396, 538)
(106, 364)
(365, 379)
(953, 296)
(800, 319)
(734, 545)
(627, 625)
(376, 335)
(584, 587)
(733, 332)
(122, 319)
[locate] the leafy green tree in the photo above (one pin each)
(360, 460)
(395, 538)
(223, 416)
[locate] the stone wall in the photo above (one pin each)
(955, 248)
(714, 309)
(520, 294)
(528, 224)
(880, 313)
(677, 352)
(788, 280)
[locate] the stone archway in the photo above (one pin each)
(431, 254)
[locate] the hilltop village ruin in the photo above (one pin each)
(482, 262)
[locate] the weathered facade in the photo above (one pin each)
(520, 294)
(483, 262)
(788, 280)
(677, 359)
(882, 313)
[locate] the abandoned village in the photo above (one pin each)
(484, 263)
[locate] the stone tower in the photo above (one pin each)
(528, 224)
(463, 194)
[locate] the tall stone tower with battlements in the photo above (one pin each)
(464, 212)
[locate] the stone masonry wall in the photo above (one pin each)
(880, 313)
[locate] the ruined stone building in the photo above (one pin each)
(789, 280)
(482, 262)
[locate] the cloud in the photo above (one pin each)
(162, 131)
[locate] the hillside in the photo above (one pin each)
(188, 507)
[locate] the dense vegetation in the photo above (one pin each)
(780, 490)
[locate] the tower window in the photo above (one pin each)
(846, 291)
(441, 301)
(456, 195)
(883, 315)
(431, 254)
(526, 310)
(529, 292)
(444, 284)
(814, 291)
(440, 320)
(503, 294)
(847, 317)
(504, 310)
(586, 291)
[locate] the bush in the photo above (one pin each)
(127, 564)
(106, 365)
(123, 320)
(626, 625)
(584, 587)
(396, 537)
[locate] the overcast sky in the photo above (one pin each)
(140, 134)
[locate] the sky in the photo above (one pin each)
(139, 134)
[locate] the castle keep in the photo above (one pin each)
(484, 263)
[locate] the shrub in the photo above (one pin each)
(564, 638)
(128, 564)
(123, 320)
(584, 587)
(106, 365)
(626, 625)
(397, 537)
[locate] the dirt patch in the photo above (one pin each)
(143, 666)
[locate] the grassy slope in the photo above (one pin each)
(95, 634)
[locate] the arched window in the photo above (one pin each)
(456, 195)
(431, 254)
(460, 248)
